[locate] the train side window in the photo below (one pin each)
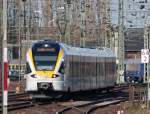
(28, 69)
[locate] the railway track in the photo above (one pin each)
(10, 92)
(89, 107)
(94, 102)
(17, 97)
(97, 106)
(17, 101)
(86, 102)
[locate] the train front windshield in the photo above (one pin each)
(45, 56)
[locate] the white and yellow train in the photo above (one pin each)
(57, 67)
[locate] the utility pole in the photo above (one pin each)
(146, 46)
(24, 1)
(82, 25)
(98, 24)
(109, 38)
(106, 24)
(20, 42)
(5, 61)
(120, 44)
(68, 19)
(61, 20)
(146, 65)
(29, 26)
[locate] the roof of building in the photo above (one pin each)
(134, 39)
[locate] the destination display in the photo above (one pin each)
(46, 49)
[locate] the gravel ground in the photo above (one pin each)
(44, 109)
(51, 108)
(127, 108)
(14, 85)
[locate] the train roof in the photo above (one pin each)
(97, 52)
(78, 51)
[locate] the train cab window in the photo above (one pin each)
(28, 70)
(45, 56)
(61, 69)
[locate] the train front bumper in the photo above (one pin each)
(36, 84)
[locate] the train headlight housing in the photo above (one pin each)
(55, 75)
(33, 76)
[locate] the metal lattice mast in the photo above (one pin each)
(111, 37)
(20, 42)
(120, 43)
(68, 19)
(146, 65)
(108, 39)
(82, 25)
(105, 22)
(61, 20)
(146, 46)
(54, 12)
(98, 23)
(24, 18)
(29, 26)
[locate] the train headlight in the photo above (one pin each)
(55, 75)
(33, 76)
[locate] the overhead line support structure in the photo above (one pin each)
(82, 25)
(120, 43)
(147, 65)
(68, 19)
(146, 46)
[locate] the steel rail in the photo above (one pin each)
(105, 105)
(93, 105)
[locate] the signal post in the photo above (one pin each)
(4, 60)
